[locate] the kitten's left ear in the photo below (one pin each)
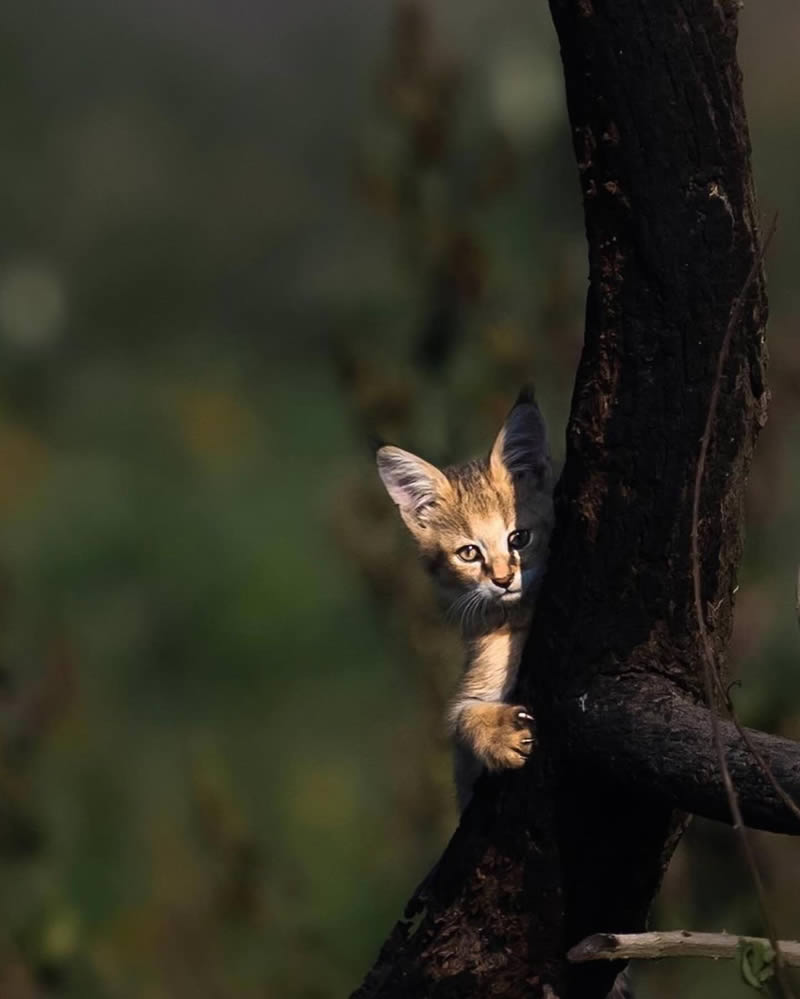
(413, 483)
(521, 446)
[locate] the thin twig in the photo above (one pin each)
(675, 943)
(797, 596)
(710, 673)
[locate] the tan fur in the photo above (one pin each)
(492, 732)
(477, 507)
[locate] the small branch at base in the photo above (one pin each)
(677, 943)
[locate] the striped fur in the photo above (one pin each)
(474, 508)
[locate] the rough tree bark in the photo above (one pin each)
(577, 842)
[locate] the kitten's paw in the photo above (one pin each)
(514, 738)
(500, 736)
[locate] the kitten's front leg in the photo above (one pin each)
(501, 736)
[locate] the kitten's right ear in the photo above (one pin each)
(521, 445)
(414, 484)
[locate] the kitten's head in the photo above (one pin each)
(482, 527)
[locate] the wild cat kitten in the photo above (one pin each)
(483, 529)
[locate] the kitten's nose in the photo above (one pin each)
(503, 581)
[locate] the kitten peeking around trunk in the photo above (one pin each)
(483, 530)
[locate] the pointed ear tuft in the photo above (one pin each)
(375, 443)
(526, 395)
(521, 446)
(414, 484)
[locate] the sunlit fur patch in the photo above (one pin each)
(483, 506)
(478, 504)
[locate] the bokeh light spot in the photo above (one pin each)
(32, 305)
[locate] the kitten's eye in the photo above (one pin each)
(469, 553)
(519, 539)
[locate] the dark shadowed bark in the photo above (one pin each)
(577, 842)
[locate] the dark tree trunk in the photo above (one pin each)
(577, 843)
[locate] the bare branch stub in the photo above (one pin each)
(674, 943)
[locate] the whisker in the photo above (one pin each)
(483, 607)
(476, 608)
(466, 603)
(456, 607)
(464, 606)
(468, 609)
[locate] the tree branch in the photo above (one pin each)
(677, 943)
(649, 738)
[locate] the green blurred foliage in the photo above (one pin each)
(238, 241)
